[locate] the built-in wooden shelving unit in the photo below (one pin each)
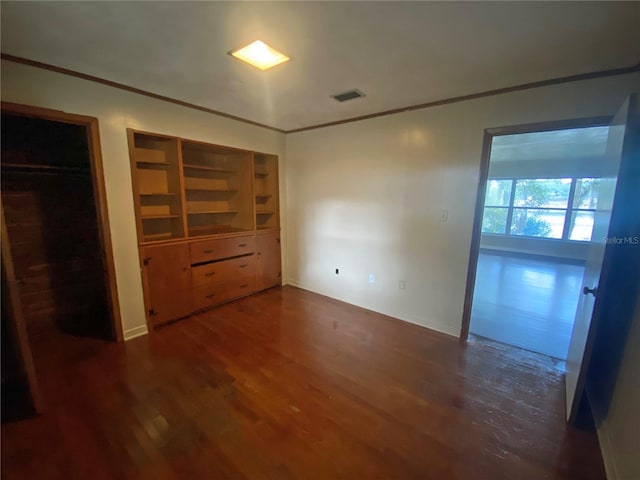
(189, 189)
(265, 168)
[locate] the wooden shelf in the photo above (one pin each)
(213, 212)
(157, 187)
(214, 230)
(184, 188)
(152, 162)
(265, 182)
(208, 169)
(157, 236)
(158, 217)
(211, 190)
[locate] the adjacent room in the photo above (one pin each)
(539, 209)
(320, 240)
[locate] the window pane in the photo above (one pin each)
(581, 226)
(538, 223)
(542, 192)
(586, 195)
(498, 193)
(494, 220)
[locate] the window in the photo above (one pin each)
(583, 209)
(560, 208)
(496, 207)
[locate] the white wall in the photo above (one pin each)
(116, 111)
(367, 197)
(619, 431)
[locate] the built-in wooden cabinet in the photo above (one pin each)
(208, 223)
(268, 266)
(223, 269)
(167, 282)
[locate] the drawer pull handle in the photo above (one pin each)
(210, 274)
(211, 295)
(243, 245)
(245, 285)
(207, 251)
(243, 266)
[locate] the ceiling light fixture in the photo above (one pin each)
(260, 55)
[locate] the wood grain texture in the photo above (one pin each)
(287, 384)
(269, 263)
(168, 280)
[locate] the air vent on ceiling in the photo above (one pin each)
(350, 95)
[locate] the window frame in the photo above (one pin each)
(568, 211)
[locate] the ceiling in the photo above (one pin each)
(565, 144)
(398, 53)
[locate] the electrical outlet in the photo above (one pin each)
(444, 215)
(402, 284)
(372, 278)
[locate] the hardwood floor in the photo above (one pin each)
(288, 384)
(526, 302)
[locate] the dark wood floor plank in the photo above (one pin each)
(287, 384)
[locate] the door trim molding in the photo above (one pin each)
(15, 317)
(97, 175)
(483, 176)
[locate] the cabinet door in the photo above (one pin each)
(268, 265)
(167, 275)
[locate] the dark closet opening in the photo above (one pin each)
(52, 226)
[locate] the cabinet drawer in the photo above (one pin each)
(214, 293)
(209, 273)
(240, 287)
(208, 295)
(242, 266)
(223, 270)
(208, 250)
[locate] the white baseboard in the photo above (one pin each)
(135, 332)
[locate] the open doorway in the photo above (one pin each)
(537, 216)
(58, 283)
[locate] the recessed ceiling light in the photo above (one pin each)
(260, 55)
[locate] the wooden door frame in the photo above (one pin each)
(99, 190)
(16, 321)
(476, 233)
